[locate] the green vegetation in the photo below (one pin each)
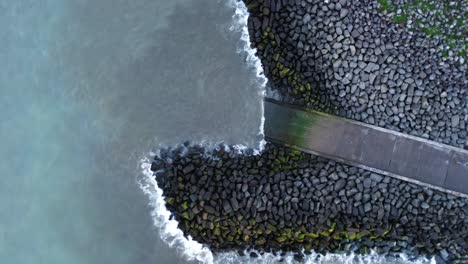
(400, 19)
(445, 19)
(199, 220)
(282, 72)
(286, 160)
(238, 231)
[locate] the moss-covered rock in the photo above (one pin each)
(284, 199)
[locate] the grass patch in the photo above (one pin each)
(446, 21)
(400, 19)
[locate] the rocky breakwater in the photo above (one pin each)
(286, 200)
(350, 58)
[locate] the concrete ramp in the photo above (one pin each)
(373, 148)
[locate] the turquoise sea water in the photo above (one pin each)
(87, 88)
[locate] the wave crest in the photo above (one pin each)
(190, 249)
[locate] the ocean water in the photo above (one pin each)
(88, 89)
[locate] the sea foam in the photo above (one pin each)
(190, 249)
(168, 228)
(239, 24)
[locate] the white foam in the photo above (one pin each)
(239, 24)
(191, 250)
(315, 258)
(274, 94)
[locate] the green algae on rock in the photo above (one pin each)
(286, 200)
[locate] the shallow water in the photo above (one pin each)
(87, 88)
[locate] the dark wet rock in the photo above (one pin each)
(255, 202)
(340, 184)
(367, 183)
(367, 207)
(234, 204)
(253, 255)
(425, 205)
(227, 206)
(376, 177)
(188, 169)
(353, 61)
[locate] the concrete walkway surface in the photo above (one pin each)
(373, 148)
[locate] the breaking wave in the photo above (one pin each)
(190, 249)
(239, 24)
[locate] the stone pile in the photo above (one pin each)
(442, 21)
(287, 200)
(345, 58)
